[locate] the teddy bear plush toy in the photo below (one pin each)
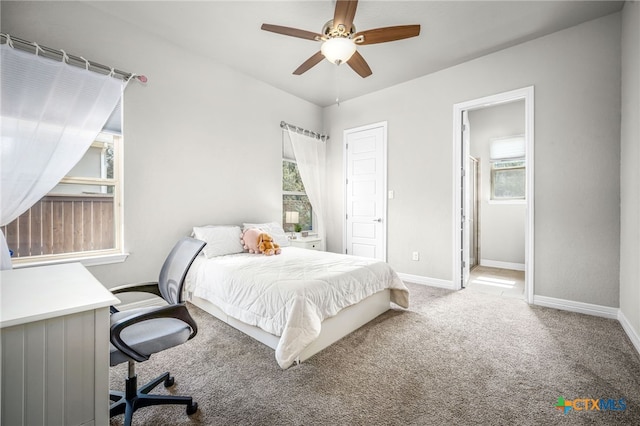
(256, 241)
(266, 245)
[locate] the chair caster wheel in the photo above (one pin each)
(169, 382)
(192, 408)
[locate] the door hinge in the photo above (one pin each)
(464, 264)
(346, 251)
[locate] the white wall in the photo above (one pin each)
(501, 225)
(576, 74)
(629, 174)
(202, 142)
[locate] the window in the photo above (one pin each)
(294, 198)
(80, 217)
(508, 177)
(508, 180)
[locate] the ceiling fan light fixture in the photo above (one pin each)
(340, 39)
(338, 50)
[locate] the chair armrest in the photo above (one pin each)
(178, 311)
(148, 287)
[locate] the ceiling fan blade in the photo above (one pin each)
(309, 63)
(359, 65)
(344, 14)
(293, 32)
(382, 35)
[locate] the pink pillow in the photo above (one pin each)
(249, 239)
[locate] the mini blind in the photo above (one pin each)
(506, 148)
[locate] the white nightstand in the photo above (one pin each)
(311, 243)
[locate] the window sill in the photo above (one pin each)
(104, 259)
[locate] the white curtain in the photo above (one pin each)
(51, 112)
(310, 155)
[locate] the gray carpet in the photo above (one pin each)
(453, 358)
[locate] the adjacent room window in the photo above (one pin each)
(508, 166)
(294, 198)
(508, 180)
(79, 217)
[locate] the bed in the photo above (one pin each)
(298, 302)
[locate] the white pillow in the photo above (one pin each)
(221, 240)
(272, 228)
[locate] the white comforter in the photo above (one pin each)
(289, 295)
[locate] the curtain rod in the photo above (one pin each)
(62, 56)
(304, 131)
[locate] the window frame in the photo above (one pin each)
(115, 254)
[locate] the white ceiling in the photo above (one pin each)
(452, 32)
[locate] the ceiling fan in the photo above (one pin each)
(340, 39)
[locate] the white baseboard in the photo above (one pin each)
(433, 282)
(628, 328)
(580, 307)
(502, 265)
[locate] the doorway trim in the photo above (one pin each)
(526, 94)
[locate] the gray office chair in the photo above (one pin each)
(136, 334)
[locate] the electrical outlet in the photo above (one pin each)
(415, 256)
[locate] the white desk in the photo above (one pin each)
(55, 346)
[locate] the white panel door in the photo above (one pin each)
(365, 225)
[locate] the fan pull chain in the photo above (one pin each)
(338, 85)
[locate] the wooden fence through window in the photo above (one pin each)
(63, 224)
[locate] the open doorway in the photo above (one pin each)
(497, 204)
(493, 199)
